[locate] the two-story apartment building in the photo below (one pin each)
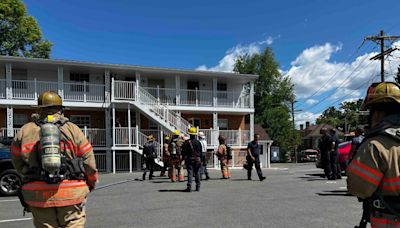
(118, 105)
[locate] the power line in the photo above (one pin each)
(327, 82)
(342, 83)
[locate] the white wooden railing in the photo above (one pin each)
(201, 98)
(30, 90)
(233, 137)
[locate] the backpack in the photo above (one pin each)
(228, 152)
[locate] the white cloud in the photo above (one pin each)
(311, 101)
(312, 69)
(227, 63)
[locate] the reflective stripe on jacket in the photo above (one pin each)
(67, 193)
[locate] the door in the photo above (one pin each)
(191, 92)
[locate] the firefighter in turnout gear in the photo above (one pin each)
(165, 155)
(176, 162)
(374, 174)
(57, 164)
(192, 154)
(222, 153)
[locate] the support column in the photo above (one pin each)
(9, 81)
(130, 161)
(137, 127)
(10, 122)
(251, 94)
(215, 95)
(109, 139)
(113, 127)
(129, 126)
(107, 87)
(214, 137)
(251, 126)
(137, 85)
(60, 73)
(177, 89)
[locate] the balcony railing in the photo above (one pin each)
(202, 98)
(233, 137)
(96, 136)
(30, 90)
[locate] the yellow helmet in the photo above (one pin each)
(49, 99)
(384, 92)
(150, 138)
(167, 138)
(177, 132)
(192, 131)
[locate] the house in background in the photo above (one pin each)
(311, 136)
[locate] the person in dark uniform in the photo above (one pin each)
(334, 157)
(254, 150)
(192, 154)
(149, 154)
(325, 146)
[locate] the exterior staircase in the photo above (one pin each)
(148, 105)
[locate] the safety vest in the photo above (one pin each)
(66, 193)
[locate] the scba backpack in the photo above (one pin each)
(228, 152)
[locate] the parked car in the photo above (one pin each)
(343, 150)
(9, 178)
(308, 155)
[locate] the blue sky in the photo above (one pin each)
(313, 40)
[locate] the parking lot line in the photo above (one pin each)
(14, 220)
(9, 200)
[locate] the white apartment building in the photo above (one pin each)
(117, 106)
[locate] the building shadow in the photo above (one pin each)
(313, 177)
(335, 193)
(171, 190)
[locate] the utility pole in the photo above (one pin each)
(381, 39)
(294, 128)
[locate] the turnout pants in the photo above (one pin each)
(70, 216)
(176, 165)
(225, 169)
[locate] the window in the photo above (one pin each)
(20, 119)
(78, 77)
(19, 78)
(80, 120)
(221, 91)
(223, 124)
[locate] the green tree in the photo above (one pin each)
(20, 34)
(272, 98)
(346, 117)
(330, 116)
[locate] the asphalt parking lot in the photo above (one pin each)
(293, 195)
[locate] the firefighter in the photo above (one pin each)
(149, 154)
(165, 155)
(192, 155)
(174, 149)
(373, 174)
(57, 164)
(222, 153)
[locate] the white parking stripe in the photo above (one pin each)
(10, 200)
(15, 220)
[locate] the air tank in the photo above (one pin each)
(50, 142)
